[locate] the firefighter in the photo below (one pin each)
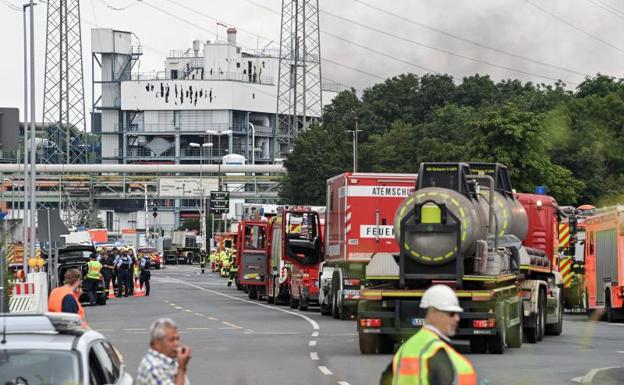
(233, 269)
(202, 261)
(427, 358)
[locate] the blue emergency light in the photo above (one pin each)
(541, 190)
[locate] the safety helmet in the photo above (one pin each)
(441, 297)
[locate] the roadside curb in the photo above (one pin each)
(602, 376)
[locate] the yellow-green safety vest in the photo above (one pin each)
(410, 363)
(94, 270)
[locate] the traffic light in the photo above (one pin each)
(155, 211)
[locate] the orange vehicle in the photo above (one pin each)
(604, 262)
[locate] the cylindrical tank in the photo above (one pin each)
(510, 216)
(439, 248)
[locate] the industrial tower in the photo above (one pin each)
(63, 98)
(299, 80)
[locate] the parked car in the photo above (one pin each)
(38, 345)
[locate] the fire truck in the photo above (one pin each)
(294, 244)
(358, 224)
(572, 256)
(251, 255)
(604, 262)
(465, 227)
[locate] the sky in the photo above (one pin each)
(531, 40)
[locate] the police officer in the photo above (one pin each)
(427, 358)
(132, 274)
(123, 265)
(108, 265)
(93, 278)
(145, 274)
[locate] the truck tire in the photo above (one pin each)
(368, 343)
(303, 303)
(542, 315)
(385, 344)
(238, 284)
(253, 293)
(557, 328)
(514, 333)
(294, 303)
(478, 345)
(496, 343)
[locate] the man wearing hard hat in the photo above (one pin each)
(428, 358)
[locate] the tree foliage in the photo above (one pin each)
(569, 141)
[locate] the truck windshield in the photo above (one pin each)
(37, 367)
(255, 237)
(302, 242)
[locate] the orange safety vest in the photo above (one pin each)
(55, 302)
(410, 366)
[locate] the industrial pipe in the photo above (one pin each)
(145, 168)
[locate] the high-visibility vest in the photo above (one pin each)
(94, 270)
(55, 302)
(409, 366)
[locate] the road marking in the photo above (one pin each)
(314, 356)
(315, 334)
(343, 383)
(325, 371)
(135, 330)
(232, 325)
(578, 380)
(199, 315)
(188, 310)
(312, 343)
(212, 318)
(620, 351)
(178, 307)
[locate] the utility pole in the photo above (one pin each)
(33, 145)
(355, 144)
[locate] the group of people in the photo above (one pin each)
(122, 266)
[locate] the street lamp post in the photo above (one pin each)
(202, 211)
(355, 144)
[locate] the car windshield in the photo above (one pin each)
(39, 367)
(74, 254)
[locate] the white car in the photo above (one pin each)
(52, 348)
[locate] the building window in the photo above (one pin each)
(237, 64)
(174, 74)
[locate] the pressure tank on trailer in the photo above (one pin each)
(510, 216)
(440, 248)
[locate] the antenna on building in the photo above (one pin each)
(299, 99)
(63, 97)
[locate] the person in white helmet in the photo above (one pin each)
(428, 358)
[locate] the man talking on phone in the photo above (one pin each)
(166, 360)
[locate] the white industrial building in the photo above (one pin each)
(212, 100)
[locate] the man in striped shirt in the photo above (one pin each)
(166, 361)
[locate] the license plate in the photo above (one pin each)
(351, 294)
(418, 321)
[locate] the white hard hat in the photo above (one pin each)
(441, 297)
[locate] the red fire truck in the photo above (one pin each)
(251, 255)
(294, 246)
(604, 262)
(358, 224)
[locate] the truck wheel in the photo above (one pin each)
(368, 343)
(238, 284)
(496, 343)
(253, 293)
(293, 302)
(303, 304)
(245, 289)
(478, 345)
(556, 329)
(385, 344)
(542, 315)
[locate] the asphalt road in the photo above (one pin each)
(237, 341)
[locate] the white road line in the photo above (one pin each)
(578, 380)
(343, 383)
(188, 310)
(312, 343)
(325, 371)
(620, 351)
(315, 334)
(314, 356)
(178, 307)
(312, 322)
(199, 315)
(232, 325)
(212, 318)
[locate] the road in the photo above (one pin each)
(237, 341)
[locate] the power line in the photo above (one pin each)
(562, 20)
(447, 52)
(607, 8)
(465, 40)
(11, 6)
(130, 5)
